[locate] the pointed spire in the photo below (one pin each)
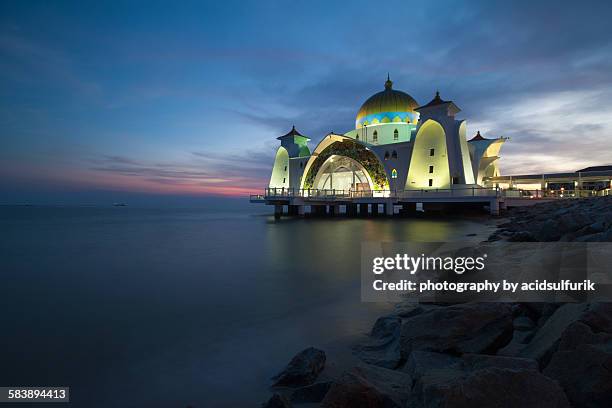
(388, 82)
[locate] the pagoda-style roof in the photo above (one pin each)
(293, 132)
(477, 137)
(434, 102)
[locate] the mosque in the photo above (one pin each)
(406, 155)
(396, 145)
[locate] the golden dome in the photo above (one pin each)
(387, 106)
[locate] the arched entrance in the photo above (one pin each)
(343, 173)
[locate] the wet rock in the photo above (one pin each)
(548, 231)
(303, 369)
(382, 349)
(489, 387)
(422, 362)
(369, 387)
(311, 393)
(277, 401)
(522, 236)
(463, 328)
(549, 334)
(386, 326)
(583, 366)
(523, 323)
(598, 316)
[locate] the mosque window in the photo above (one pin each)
(386, 155)
(430, 169)
(357, 136)
(394, 173)
(395, 135)
(430, 182)
(284, 180)
(394, 155)
(285, 168)
(432, 151)
(375, 136)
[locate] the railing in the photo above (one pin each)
(330, 194)
(561, 193)
(452, 192)
(344, 195)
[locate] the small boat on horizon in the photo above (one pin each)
(119, 205)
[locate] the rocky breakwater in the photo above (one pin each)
(580, 220)
(482, 354)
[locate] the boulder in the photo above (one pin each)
(422, 362)
(463, 328)
(521, 236)
(548, 231)
(277, 401)
(596, 315)
(488, 387)
(382, 349)
(369, 386)
(311, 393)
(583, 366)
(303, 369)
(546, 338)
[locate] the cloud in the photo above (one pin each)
(203, 172)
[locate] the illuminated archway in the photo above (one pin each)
(342, 173)
(335, 145)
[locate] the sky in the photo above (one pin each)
(99, 99)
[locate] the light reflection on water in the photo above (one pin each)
(178, 307)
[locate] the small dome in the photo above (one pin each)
(387, 106)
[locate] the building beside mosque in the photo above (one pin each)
(396, 145)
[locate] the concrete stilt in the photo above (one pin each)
(389, 209)
(301, 210)
(293, 210)
(494, 207)
(374, 209)
(351, 210)
(334, 210)
(278, 211)
(363, 210)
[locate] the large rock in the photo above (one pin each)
(303, 369)
(382, 348)
(488, 387)
(583, 366)
(277, 401)
(545, 341)
(311, 393)
(422, 362)
(369, 386)
(464, 328)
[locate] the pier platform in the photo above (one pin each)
(331, 202)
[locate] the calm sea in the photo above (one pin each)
(175, 307)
